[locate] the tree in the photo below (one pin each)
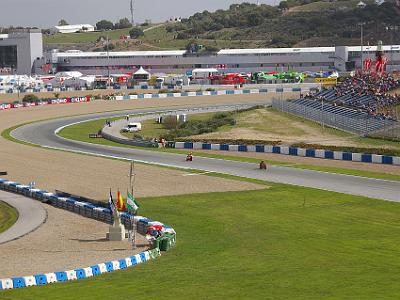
(30, 98)
(62, 22)
(136, 32)
(104, 25)
(123, 23)
(283, 5)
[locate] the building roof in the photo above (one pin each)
(75, 26)
(275, 50)
(122, 54)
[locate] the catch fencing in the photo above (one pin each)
(361, 126)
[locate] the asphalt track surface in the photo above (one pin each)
(31, 215)
(44, 134)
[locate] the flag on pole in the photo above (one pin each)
(111, 204)
(120, 202)
(131, 203)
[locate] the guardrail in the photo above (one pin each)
(131, 142)
(287, 150)
(89, 210)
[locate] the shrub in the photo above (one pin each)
(30, 98)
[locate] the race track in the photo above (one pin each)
(43, 133)
(31, 215)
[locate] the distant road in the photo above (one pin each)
(43, 133)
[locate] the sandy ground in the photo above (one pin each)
(66, 241)
(92, 176)
(268, 125)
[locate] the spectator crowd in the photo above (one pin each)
(366, 92)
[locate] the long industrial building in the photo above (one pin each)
(340, 58)
(22, 52)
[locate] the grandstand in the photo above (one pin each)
(360, 104)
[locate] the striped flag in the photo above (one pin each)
(131, 203)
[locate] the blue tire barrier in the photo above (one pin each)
(206, 147)
(95, 270)
(387, 160)
(347, 156)
(188, 145)
(324, 154)
(41, 279)
(292, 151)
(122, 264)
(367, 158)
(260, 148)
(109, 266)
(276, 149)
(329, 154)
(18, 282)
(224, 147)
(61, 276)
(310, 153)
(80, 274)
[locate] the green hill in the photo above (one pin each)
(293, 23)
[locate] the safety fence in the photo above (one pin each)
(286, 150)
(89, 210)
(338, 117)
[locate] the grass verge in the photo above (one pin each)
(284, 242)
(8, 216)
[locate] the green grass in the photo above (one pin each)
(284, 242)
(81, 132)
(85, 37)
(151, 129)
(8, 216)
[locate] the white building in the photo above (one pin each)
(20, 50)
(340, 58)
(73, 28)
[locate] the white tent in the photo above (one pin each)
(141, 75)
(141, 71)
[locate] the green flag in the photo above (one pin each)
(131, 203)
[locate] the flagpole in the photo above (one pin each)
(131, 182)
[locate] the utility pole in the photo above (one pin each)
(132, 14)
(132, 229)
(362, 45)
(391, 29)
(108, 63)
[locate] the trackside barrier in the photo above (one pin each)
(89, 210)
(80, 273)
(325, 154)
(7, 106)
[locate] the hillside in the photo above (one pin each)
(294, 23)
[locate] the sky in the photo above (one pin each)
(47, 13)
